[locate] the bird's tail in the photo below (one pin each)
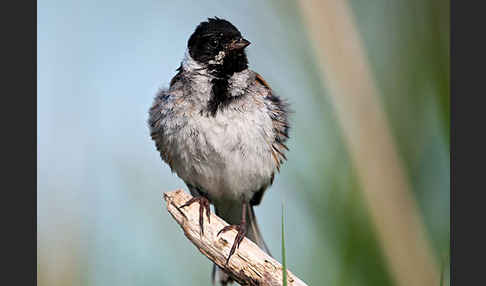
(252, 232)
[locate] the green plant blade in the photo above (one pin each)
(284, 264)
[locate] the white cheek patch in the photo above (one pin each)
(218, 60)
(189, 64)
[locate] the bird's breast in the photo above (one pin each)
(227, 155)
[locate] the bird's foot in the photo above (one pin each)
(203, 205)
(239, 237)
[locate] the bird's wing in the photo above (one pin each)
(160, 114)
(278, 110)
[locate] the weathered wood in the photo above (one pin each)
(249, 265)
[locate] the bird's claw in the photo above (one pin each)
(238, 239)
(203, 205)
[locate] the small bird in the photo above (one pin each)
(221, 129)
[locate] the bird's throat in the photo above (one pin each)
(219, 95)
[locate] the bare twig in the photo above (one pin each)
(248, 266)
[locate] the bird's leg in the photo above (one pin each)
(203, 205)
(241, 228)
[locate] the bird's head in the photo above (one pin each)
(218, 44)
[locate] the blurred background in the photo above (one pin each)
(100, 215)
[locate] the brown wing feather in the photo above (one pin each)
(262, 81)
(278, 111)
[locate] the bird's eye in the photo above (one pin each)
(213, 43)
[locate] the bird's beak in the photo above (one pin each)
(239, 44)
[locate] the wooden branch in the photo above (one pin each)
(249, 265)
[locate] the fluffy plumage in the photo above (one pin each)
(220, 127)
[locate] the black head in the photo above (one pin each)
(219, 44)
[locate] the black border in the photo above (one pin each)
(19, 142)
(467, 150)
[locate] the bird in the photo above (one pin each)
(222, 129)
